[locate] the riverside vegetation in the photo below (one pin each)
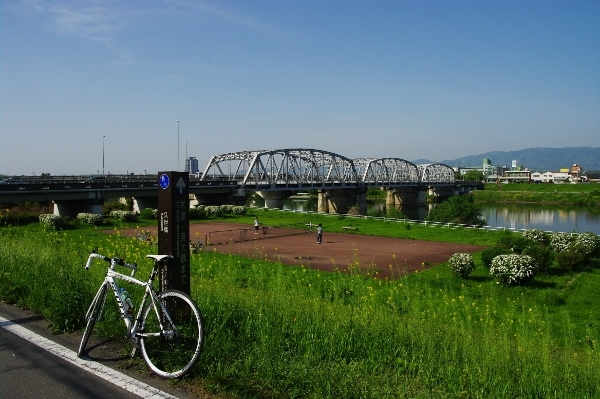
(546, 193)
(281, 331)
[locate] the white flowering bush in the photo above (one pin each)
(560, 242)
(90, 218)
(125, 216)
(461, 264)
(536, 235)
(215, 211)
(149, 213)
(226, 208)
(239, 210)
(586, 243)
(513, 269)
(51, 221)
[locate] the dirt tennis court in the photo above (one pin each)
(391, 257)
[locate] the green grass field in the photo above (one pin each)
(555, 194)
(291, 332)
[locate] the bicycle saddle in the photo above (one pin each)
(159, 258)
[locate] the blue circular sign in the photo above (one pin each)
(163, 180)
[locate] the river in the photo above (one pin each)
(514, 216)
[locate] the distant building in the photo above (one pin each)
(564, 175)
(576, 173)
(489, 171)
(515, 176)
(191, 165)
(546, 177)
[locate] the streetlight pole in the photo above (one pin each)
(177, 143)
(103, 155)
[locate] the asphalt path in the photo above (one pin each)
(29, 371)
(26, 371)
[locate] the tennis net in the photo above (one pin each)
(219, 237)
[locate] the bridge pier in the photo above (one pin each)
(274, 199)
(397, 196)
(140, 203)
(440, 193)
(340, 200)
(71, 208)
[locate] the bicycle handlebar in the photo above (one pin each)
(92, 256)
(113, 261)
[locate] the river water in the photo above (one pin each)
(519, 216)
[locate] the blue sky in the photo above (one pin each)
(407, 79)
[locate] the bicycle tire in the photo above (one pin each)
(92, 316)
(172, 355)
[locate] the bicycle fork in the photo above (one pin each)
(162, 315)
(102, 291)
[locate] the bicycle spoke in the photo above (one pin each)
(174, 350)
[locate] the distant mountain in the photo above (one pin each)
(418, 161)
(536, 159)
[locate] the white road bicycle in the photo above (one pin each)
(168, 329)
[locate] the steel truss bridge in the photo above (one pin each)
(297, 169)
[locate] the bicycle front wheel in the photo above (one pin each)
(92, 316)
(172, 352)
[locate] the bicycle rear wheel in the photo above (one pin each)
(92, 316)
(173, 352)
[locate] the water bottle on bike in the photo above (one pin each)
(127, 303)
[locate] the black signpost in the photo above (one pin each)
(174, 230)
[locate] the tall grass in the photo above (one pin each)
(303, 333)
(280, 331)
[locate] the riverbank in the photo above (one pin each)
(290, 331)
(547, 194)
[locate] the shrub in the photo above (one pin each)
(396, 213)
(18, 219)
(239, 210)
(487, 255)
(536, 235)
(149, 214)
(460, 209)
(214, 211)
(560, 242)
(197, 213)
(513, 269)
(374, 212)
(570, 260)
(124, 216)
(353, 210)
(462, 264)
(52, 221)
(114, 205)
(514, 242)
(90, 218)
(541, 255)
(586, 243)
(226, 209)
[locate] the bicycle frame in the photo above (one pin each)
(111, 280)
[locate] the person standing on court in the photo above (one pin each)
(256, 225)
(319, 233)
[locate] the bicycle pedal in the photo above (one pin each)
(135, 343)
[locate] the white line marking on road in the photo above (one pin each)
(113, 376)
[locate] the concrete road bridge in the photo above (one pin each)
(229, 178)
